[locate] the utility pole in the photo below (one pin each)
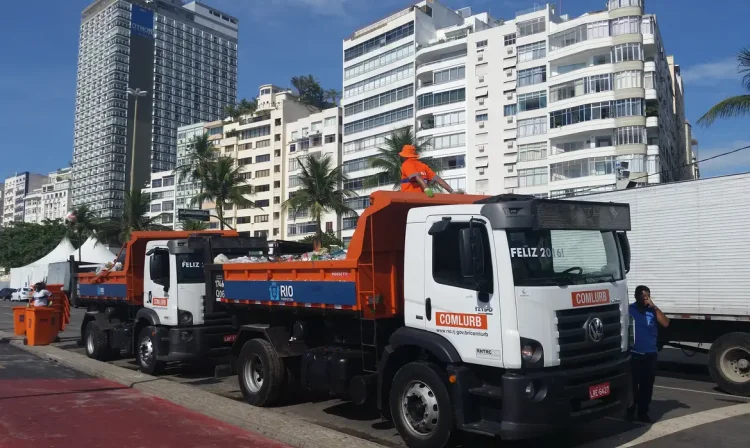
(137, 93)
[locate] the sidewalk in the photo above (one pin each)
(47, 405)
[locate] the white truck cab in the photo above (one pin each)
(534, 288)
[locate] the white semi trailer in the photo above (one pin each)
(690, 244)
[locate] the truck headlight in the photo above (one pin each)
(186, 318)
(532, 353)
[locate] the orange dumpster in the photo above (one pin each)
(59, 300)
(19, 320)
(42, 325)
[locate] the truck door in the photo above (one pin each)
(157, 281)
(466, 311)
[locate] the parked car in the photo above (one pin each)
(6, 293)
(21, 295)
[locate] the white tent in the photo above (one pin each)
(94, 252)
(26, 276)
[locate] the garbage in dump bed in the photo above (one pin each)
(335, 253)
(108, 266)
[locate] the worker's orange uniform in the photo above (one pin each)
(411, 168)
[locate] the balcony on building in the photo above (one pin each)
(449, 40)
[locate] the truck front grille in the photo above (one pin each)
(577, 346)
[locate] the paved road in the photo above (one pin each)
(45, 404)
(690, 410)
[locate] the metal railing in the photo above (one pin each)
(535, 8)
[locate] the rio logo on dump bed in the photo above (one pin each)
(589, 298)
(281, 293)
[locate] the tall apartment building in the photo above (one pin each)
(161, 193)
(561, 106)
(318, 135)
(257, 143)
(51, 200)
(16, 189)
(407, 70)
(183, 56)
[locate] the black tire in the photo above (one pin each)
(431, 390)
(727, 374)
(147, 362)
(261, 373)
(96, 342)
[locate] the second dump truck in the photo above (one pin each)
(155, 306)
(500, 315)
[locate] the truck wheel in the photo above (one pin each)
(261, 373)
(96, 341)
(729, 363)
(421, 406)
(145, 353)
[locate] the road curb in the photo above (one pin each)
(268, 422)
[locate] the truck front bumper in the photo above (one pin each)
(195, 342)
(560, 399)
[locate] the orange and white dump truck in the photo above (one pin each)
(155, 305)
(500, 315)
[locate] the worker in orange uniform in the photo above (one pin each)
(417, 176)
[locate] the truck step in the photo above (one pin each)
(493, 392)
(482, 427)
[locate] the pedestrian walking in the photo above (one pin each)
(647, 319)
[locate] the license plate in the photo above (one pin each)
(599, 391)
(230, 338)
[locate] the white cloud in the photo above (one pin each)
(711, 73)
(738, 162)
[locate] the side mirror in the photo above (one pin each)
(625, 245)
(471, 250)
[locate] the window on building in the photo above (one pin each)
(510, 39)
(260, 218)
(244, 161)
(156, 183)
(481, 117)
(262, 173)
(532, 76)
(532, 101)
(262, 188)
(626, 25)
(383, 119)
(449, 141)
(591, 166)
(532, 26)
(262, 143)
(168, 181)
(263, 158)
(329, 226)
(379, 100)
(628, 79)
(533, 151)
(295, 135)
(441, 98)
(330, 121)
(450, 119)
(262, 203)
(451, 162)
(316, 140)
(510, 110)
(532, 126)
(530, 52)
(255, 132)
(630, 135)
(330, 138)
(482, 43)
(627, 52)
(381, 60)
(315, 126)
(448, 75)
(532, 177)
(379, 41)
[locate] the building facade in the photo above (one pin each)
(16, 189)
(565, 106)
(161, 193)
(407, 70)
(51, 200)
(318, 135)
(183, 56)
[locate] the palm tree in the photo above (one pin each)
(134, 218)
(388, 160)
(333, 95)
(735, 106)
(321, 192)
(244, 107)
(198, 163)
(82, 228)
(223, 184)
(193, 225)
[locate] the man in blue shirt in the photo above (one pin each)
(647, 319)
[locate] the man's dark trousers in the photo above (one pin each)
(644, 374)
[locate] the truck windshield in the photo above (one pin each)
(190, 268)
(564, 257)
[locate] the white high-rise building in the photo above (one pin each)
(16, 189)
(183, 56)
(561, 106)
(407, 70)
(161, 192)
(51, 200)
(318, 135)
(542, 104)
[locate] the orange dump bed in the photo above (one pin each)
(127, 285)
(369, 280)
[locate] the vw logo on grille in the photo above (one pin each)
(596, 329)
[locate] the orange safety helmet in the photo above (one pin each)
(409, 152)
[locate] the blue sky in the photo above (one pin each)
(283, 38)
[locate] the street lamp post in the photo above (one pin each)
(137, 93)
